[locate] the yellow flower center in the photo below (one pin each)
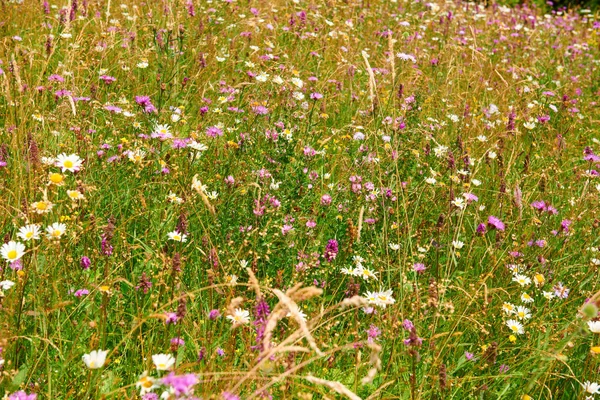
(177, 237)
(162, 365)
(146, 382)
(92, 364)
(514, 328)
(56, 233)
(41, 205)
(68, 164)
(56, 178)
(29, 235)
(12, 254)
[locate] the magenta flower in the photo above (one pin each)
(260, 110)
(82, 292)
(107, 79)
(214, 131)
(181, 384)
(21, 395)
(85, 262)
(145, 102)
(325, 200)
(56, 78)
(495, 222)
(331, 250)
(171, 318)
(419, 268)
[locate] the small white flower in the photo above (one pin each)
(231, 279)
(5, 285)
(591, 387)
(146, 383)
(95, 359)
(594, 326)
(71, 163)
(457, 244)
(523, 312)
(274, 185)
(548, 295)
(12, 251)
(440, 151)
(239, 317)
(515, 326)
(262, 77)
(297, 82)
(394, 246)
(176, 236)
(459, 202)
(525, 298)
(522, 280)
(56, 230)
(212, 195)
(163, 362)
(29, 232)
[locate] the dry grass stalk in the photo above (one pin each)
(333, 385)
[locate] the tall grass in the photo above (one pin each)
(294, 199)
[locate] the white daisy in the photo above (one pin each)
(594, 326)
(56, 230)
(29, 232)
(95, 359)
(239, 317)
(523, 312)
(163, 362)
(12, 251)
(71, 162)
(177, 237)
(591, 387)
(515, 326)
(522, 279)
(5, 285)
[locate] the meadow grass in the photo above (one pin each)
(298, 200)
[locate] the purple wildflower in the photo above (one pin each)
(85, 262)
(21, 395)
(407, 324)
(181, 384)
(82, 292)
(331, 250)
(171, 318)
(495, 222)
(214, 131)
(419, 268)
(260, 110)
(145, 102)
(373, 332)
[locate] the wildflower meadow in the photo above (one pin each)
(299, 199)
